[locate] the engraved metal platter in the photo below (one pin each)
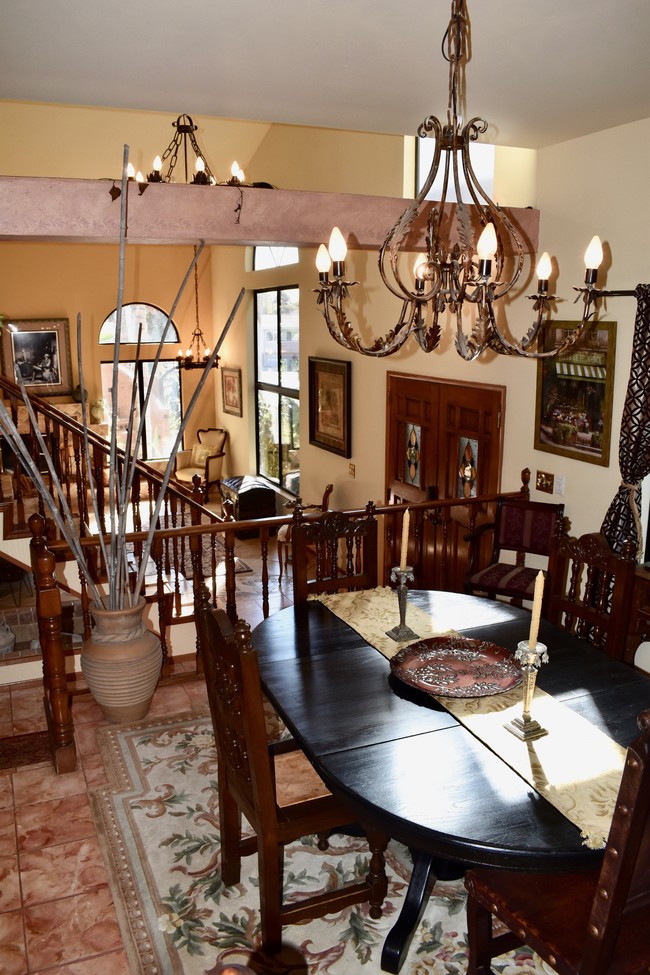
(455, 666)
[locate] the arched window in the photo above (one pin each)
(134, 314)
(165, 409)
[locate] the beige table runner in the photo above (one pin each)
(576, 766)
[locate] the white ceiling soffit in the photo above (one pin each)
(541, 72)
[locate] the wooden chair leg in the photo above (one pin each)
(270, 858)
(479, 938)
(280, 555)
(230, 822)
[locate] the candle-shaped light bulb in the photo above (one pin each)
(240, 175)
(405, 541)
(206, 354)
(594, 254)
(487, 243)
(130, 171)
(200, 165)
(486, 247)
(234, 169)
(139, 178)
(180, 353)
(593, 260)
(536, 611)
(157, 164)
(337, 246)
(419, 272)
(323, 260)
(544, 269)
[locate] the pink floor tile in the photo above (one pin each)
(56, 821)
(86, 738)
(9, 883)
(39, 785)
(7, 833)
(71, 867)
(113, 963)
(6, 791)
(172, 699)
(13, 958)
(71, 929)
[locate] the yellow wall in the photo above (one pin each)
(597, 184)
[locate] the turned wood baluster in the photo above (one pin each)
(48, 608)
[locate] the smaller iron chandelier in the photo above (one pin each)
(185, 129)
(452, 277)
(197, 354)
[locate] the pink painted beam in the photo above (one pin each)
(82, 210)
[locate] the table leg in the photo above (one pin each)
(426, 870)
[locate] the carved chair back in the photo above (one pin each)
(276, 788)
(591, 590)
(334, 552)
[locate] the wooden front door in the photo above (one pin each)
(444, 440)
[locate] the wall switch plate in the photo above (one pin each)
(560, 483)
(544, 482)
(352, 472)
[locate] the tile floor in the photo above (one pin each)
(56, 911)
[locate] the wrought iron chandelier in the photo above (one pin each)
(450, 277)
(197, 354)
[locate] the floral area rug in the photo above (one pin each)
(158, 824)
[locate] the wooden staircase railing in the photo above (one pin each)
(438, 554)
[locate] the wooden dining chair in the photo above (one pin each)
(334, 552)
(520, 527)
(276, 789)
(284, 531)
(591, 590)
(592, 923)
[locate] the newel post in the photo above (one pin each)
(48, 609)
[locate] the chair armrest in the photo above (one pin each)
(182, 459)
(213, 467)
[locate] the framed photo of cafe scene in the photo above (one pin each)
(573, 412)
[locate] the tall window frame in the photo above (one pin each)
(277, 385)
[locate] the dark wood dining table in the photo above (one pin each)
(406, 764)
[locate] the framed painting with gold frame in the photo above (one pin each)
(573, 412)
(330, 407)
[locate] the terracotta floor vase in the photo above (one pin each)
(121, 662)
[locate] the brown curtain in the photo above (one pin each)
(623, 519)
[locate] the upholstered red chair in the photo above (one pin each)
(521, 528)
(591, 923)
(591, 590)
(334, 552)
(276, 789)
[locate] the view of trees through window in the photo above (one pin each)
(277, 384)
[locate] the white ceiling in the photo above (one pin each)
(542, 71)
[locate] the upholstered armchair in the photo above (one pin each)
(205, 458)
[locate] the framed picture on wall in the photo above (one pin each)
(573, 414)
(231, 390)
(330, 405)
(36, 352)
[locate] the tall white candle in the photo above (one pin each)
(405, 541)
(537, 610)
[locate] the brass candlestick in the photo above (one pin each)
(402, 631)
(526, 728)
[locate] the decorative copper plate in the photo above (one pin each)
(454, 666)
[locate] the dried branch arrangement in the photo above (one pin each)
(117, 593)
